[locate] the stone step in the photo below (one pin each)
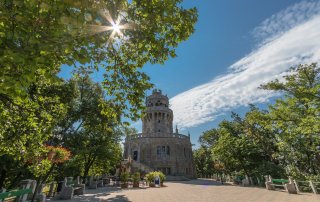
(141, 167)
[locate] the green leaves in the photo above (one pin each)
(37, 38)
(46, 35)
(297, 117)
(285, 137)
(26, 122)
(90, 134)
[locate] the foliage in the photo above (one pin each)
(203, 161)
(41, 168)
(219, 167)
(161, 176)
(150, 177)
(297, 119)
(136, 177)
(37, 108)
(92, 136)
(124, 177)
(236, 151)
(26, 124)
(283, 140)
(57, 154)
(44, 35)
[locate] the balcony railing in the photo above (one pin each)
(167, 135)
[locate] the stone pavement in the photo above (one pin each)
(200, 190)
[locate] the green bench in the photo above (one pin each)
(288, 185)
(279, 182)
(14, 193)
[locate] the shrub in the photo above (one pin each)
(58, 154)
(150, 177)
(162, 177)
(136, 177)
(124, 177)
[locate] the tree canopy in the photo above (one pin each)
(42, 114)
(43, 35)
(281, 141)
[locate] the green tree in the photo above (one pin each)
(92, 136)
(203, 161)
(27, 123)
(209, 137)
(235, 150)
(43, 35)
(259, 128)
(296, 117)
(242, 146)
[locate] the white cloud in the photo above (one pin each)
(295, 43)
(280, 22)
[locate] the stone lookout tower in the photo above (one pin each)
(158, 147)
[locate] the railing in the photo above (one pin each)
(169, 135)
(159, 108)
(307, 186)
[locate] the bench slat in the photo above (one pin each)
(280, 181)
(18, 192)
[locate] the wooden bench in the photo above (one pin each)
(11, 195)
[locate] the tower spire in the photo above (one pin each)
(177, 129)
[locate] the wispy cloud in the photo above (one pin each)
(290, 17)
(287, 38)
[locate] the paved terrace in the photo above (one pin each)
(201, 190)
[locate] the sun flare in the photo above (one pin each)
(115, 27)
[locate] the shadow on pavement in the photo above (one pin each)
(95, 195)
(118, 198)
(204, 182)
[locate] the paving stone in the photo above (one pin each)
(199, 190)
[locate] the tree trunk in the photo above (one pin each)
(2, 178)
(87, 167)
(85, 174)
(41, 181)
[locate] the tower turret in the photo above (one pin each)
(158, 117)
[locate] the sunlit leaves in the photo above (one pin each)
(45, 35)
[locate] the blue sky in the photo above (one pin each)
(237, 46)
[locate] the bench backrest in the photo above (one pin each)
(18, 192)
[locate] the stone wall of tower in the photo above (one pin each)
(179, 160)
(157, 146)
(158, 117)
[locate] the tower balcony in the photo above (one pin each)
(158, 108)
(157, 135)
